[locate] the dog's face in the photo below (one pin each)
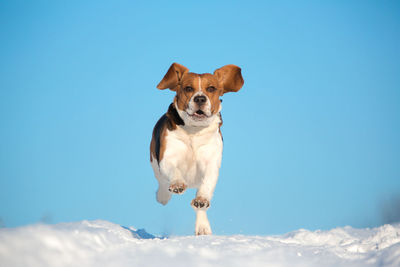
(197, 95)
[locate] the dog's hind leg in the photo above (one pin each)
(200, 206)
(163, 195)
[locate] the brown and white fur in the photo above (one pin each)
(186, 146)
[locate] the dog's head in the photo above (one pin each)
(197, 95)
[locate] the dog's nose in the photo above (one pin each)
(200, 99)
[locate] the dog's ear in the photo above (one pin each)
(173, 77)
(230, 77)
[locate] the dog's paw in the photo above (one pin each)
(177, 188)
(200, 203)
(203, 229)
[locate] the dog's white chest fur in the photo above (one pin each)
(193, 151)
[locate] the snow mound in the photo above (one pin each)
(102, 243)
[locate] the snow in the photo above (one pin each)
(102, 243)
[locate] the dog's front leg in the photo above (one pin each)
(170, 181)
(174, 177)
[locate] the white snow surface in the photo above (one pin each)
(102, 243)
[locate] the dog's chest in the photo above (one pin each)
(193, 152)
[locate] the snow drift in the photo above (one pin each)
(101, 243)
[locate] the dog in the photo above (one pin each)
(186, 145)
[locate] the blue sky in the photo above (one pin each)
(311, 141)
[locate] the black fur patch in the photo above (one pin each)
(174, 118)
(169, 120)
(158, 129)
(220, 124)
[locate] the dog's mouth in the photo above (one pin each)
(198, 115)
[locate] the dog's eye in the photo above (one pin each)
(211, 89)
(188, 89)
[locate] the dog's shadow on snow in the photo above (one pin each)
(142, 234)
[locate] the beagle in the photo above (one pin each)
(186, 145)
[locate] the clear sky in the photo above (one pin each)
(311, 141)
